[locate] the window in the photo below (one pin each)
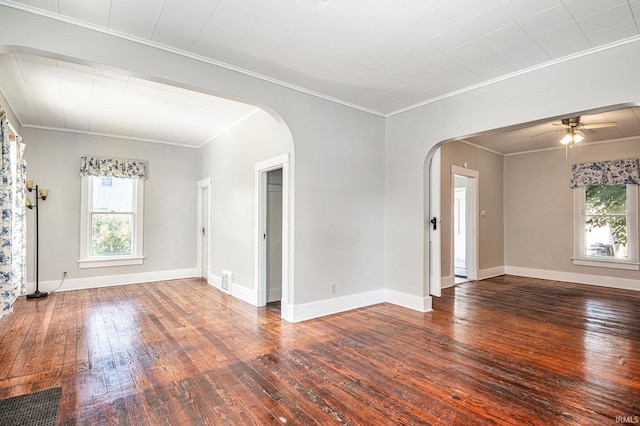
(112, 213)
(606, 226)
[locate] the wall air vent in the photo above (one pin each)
(225, 284)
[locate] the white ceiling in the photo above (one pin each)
(378, 55)
(53, 94)
(548, 135)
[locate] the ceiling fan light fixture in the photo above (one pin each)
(567, 139)
(578, 137)
(572, 137)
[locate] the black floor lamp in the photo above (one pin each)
(40, 194)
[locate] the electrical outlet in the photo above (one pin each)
(333, 288)
(64, 274)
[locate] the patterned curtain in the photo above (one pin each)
(112, 167)
(19, 247)
(616, 172)
(13, 238)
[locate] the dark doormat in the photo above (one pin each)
(37, 408)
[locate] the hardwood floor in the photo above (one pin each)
(508, 350)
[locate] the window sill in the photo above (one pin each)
(104, 262)
(605, 263)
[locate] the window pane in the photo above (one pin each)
(606, 236)
(112, 195)
(606, 199)
(111, 234)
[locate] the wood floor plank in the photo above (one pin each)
(508, 351)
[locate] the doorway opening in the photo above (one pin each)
(464, 211)
(204, 222)
(274, 236)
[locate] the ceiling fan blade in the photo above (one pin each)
(598, 125)
(578, 132)
(548, 133)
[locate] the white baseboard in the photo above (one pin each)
(446, 282)
(236, 290)
(214, 280)
(307, 311)
(598, 280)
(410, 301)
(274, 295)
(113, 280)
(483, 274)
(334, 305)
(243, 293)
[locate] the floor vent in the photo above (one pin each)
(225, 285)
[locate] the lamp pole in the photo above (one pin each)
(39, 194)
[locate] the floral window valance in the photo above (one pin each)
(112, 167)
(615, 172)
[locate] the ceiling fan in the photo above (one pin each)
(573, 129)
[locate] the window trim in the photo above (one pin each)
(581, 259)
(88, 261)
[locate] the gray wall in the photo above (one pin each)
(539, 206)
(490, 228)
(53, 162)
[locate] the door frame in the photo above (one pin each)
(201, 186)
(261, 170)
(472, 248)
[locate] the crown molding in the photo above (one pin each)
(519, 73)
(533, 151)
(475, 145)
(107, 135)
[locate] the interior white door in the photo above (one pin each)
(203, 210)
(433, 224)
(205, 233)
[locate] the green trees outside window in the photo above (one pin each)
(606, 220)
(111, 235)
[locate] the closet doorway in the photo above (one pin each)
(274, 236)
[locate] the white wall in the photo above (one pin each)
(340, 238)
(53, 162)
(4, 105)
(339, 151)
(230, 163)
(604, 78)
(359, 179)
